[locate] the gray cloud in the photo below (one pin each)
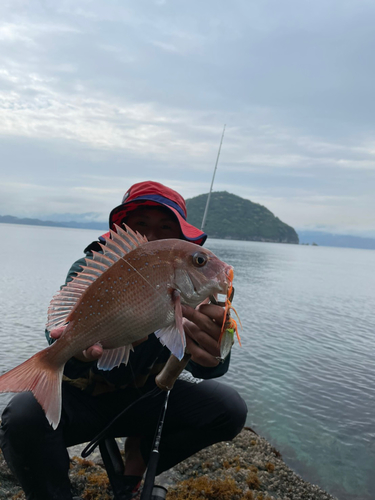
(96, 96)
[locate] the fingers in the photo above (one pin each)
(201, 338)
(91, 353)
(202, 328)
(212, 311)
(199, 355)
(57, 332)
(208, 317)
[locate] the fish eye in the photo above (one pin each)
(199, 259)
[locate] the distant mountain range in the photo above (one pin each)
(229, 217)
(335, 240)
(10, 219)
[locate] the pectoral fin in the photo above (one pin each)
(173, 336)
(114, 357)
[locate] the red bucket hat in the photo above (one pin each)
(154, 193)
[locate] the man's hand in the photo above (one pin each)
(202, 328)
(91, 353)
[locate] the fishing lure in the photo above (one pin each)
(229, 326)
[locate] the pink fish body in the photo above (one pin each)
(131, 290)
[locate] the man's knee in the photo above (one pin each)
(23, 416)
(238, 414)
(233, 413)
(33, 450)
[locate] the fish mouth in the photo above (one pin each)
(230, 275)
(225, 289)
(229, 280)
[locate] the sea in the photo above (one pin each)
(306, 365)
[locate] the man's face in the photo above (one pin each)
(153, 222)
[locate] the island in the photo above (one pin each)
(232, 217)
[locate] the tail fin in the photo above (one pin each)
(40, 377)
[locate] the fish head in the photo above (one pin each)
(199, 274)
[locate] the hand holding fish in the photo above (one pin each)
(105, 304)
(90, 354)
(93, 352)
(206, 343)
(203, 328)
(147, 279)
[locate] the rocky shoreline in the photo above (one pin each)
(247, 468)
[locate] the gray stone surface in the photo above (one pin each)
(246, 468)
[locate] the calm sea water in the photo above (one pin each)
(306, 366)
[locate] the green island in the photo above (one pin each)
(232, 217)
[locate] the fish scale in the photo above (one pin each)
(110, 297)
(121, 296)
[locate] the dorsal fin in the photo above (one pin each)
(120, 244)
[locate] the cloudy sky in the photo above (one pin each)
(96, 95)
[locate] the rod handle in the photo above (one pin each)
(150, 475)
(172, 369)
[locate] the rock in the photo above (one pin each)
(247, 468)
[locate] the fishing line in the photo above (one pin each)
(136, 270)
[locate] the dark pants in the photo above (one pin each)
(198, 415)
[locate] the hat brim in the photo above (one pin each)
(189, 232)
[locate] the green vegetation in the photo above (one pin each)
(232, 217)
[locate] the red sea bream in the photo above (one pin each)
(132, 289)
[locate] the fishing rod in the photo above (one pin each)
(165, 381)
(109, 450)
(148, 486)
(212, 182)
